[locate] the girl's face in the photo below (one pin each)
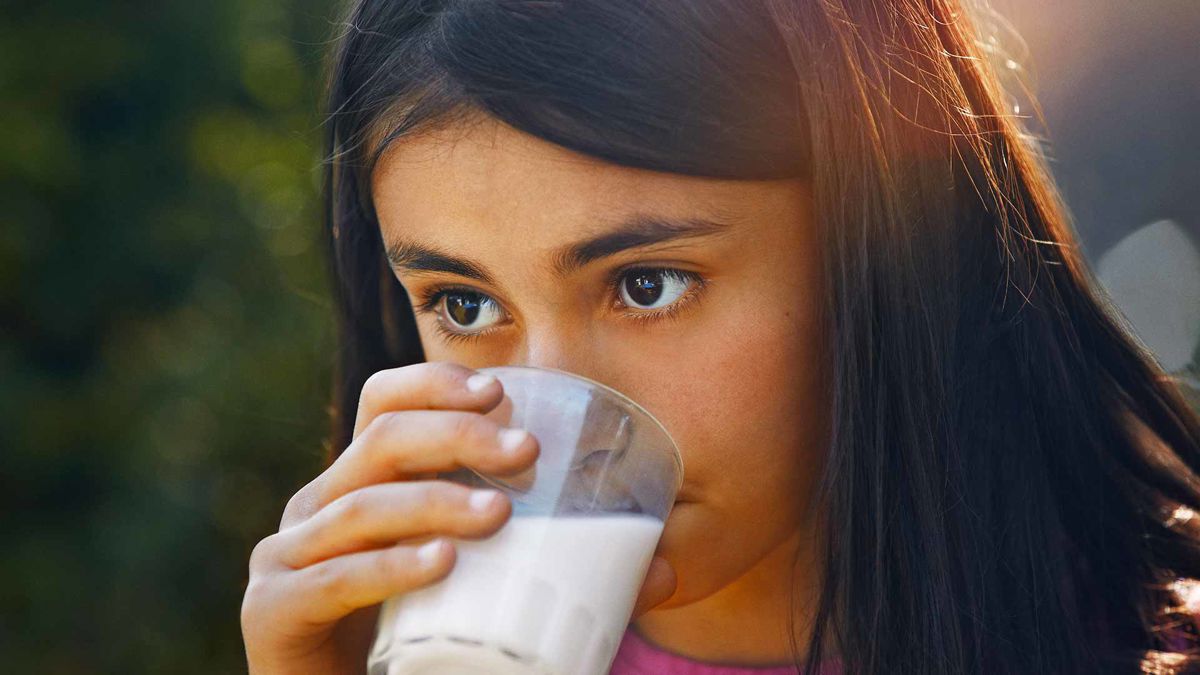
(696, 297)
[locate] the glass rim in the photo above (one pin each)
(637, 407)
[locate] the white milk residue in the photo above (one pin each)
(544, 594)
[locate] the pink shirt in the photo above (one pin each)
(636, 656)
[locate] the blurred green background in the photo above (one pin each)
(166, 334)
(166, 326)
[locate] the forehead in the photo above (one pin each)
(486, 179)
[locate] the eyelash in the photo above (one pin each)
(428, 301)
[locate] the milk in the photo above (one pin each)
(544, 594)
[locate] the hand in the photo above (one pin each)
(350, 538)
(658, 586)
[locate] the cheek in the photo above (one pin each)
(748, 413)
(745, 404)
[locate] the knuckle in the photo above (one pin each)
(293, 505)
(369, 397)
(261, 556)
(299, 505)
(328, 580)
(439, 496)
(390, 422)
(252, 602)
(445, 372)
(470, 428)
(352, 507)
(389, 565)
(372, 388)
(384, 425)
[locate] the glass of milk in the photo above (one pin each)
(553, 590)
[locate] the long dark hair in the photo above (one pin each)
(1008, 467)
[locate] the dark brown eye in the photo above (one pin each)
(652, 288)
(464, 307)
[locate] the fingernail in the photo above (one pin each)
(428, 553)
(511, 439)
(477, 382)
(481, 500)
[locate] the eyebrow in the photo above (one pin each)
(636, 232)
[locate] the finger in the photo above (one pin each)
(434, 385)
(330, 590)
(381, 515)
(402, 445)
(657, 588)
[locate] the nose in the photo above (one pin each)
(573, 351)
(580, 353)
(608, 431)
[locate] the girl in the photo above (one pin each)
(809, 237)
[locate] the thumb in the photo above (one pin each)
(658, 586)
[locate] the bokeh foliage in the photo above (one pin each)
(166, 324)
